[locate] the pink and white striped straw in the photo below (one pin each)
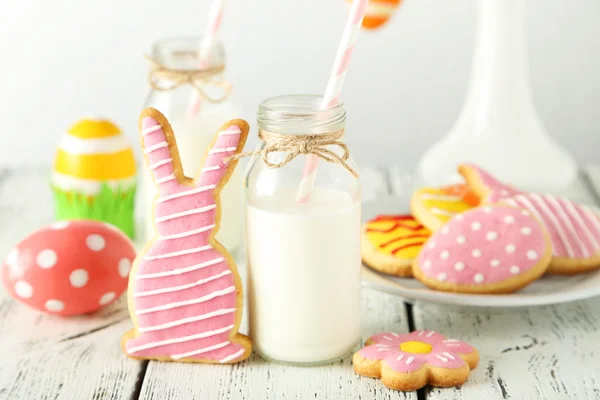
(215, 18)
(333, 90)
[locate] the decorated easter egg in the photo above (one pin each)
(378, 12)
(69, 267)
(94, 175)
(93, 152)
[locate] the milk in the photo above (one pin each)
(304, 276)
(193, 138)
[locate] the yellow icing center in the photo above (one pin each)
(415, 347)
(402, 238)
(90, 128)
(441, 204)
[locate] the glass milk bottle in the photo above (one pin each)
(197, 100)
(303, 257)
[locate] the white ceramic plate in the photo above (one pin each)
(546, 290)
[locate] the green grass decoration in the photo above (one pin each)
(114, 206)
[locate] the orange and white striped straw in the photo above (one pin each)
(215, 18)
(333, 90)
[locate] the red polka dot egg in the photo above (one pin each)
(69, 267)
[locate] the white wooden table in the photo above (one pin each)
(532, 353)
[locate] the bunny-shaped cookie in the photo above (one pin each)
(185, 294)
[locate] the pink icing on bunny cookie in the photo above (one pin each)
(409, 352)
(485, 185)
(487, 244)
(185, 288)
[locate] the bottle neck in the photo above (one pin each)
(183, 53)
(299, 114)
(500, 77)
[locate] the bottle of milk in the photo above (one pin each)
(303, 256)
(197, 100)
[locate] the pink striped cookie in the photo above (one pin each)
(574, 231)
(489, 249)
(411, 361)
(185, 294)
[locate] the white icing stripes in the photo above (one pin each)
(444, 359)
(187, 233)
(565, 219)
(223, 150)
(199, 351)
(525, 201)
(183, 321)
(156, 147)
(208, 169)
(232, 356)
(186, 193)
(185, 213)
(148, 131)
(202, 299)
(232, 130)
(178, 253)
(166, 179)
(179, 271)
(179, 340)
(573, 212)
(410, 360)
(160, 163)
(182, 287)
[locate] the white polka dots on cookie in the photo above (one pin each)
(489, 245)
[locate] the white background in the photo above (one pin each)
(61, 60)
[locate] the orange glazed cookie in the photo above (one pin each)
(411, 361)
(391, 242)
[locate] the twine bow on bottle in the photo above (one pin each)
(171, 78)
(294, 145)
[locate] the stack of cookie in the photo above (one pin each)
(483, 236)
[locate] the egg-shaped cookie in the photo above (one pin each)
(390, 243)
(489, 249)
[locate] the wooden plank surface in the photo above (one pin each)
(530, 353)
(48, 357)
(260, 379)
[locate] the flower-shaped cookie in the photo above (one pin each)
(411, 361)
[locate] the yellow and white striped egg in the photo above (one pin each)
(91, 153)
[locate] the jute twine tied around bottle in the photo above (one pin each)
(294, 145)
(193, 77)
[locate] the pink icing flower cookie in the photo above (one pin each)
(489, 249)
(184, 294)
(573, 228)
(483, 184)
(411, 361)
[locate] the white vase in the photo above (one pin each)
(499, 128)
